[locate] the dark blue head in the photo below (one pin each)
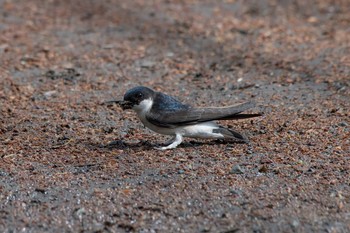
(135, 95)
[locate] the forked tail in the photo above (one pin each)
(231, 134)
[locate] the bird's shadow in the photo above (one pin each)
(123, 145)
(147, 146)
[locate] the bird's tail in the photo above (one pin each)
(232, 112)
(231, 134)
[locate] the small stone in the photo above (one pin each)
(169, 54)
(41, 190)
(78, 214)
(250, 151)
(147, 64)
(236, 169)
(262, 131)
(235, 192)
(343, 124)
(295, 223)
(263, 169)
(181, 171)
(312, 19)
(50, 93)
(291, 132)
(2, 173)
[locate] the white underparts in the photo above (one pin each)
(201, 130)
(143, 107)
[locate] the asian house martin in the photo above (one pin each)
(165, 115)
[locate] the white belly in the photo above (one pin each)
(201, 130)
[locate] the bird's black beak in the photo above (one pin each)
(122, 103)
(125, 104)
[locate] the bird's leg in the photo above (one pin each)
(177, 141)
(171, 140)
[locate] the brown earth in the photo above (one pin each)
(71, 164)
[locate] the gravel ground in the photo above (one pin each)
(71, 164)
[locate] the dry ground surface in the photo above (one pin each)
(71, 164)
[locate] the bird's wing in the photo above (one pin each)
(191, 116)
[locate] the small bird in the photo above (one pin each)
(165, 115)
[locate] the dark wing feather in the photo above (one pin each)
(171, 118)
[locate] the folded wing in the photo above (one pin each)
(191, 116)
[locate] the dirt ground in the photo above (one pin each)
(71, 164)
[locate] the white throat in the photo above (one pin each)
(143, 107)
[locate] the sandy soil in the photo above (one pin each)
(71, 164)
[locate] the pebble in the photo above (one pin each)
(78, 214)
(295, 223)
(2, 173)
(170, 54)
(147, 64)
(263, 169)
(50, 93)
(343, 124)
(235, 192)
(236, 169)
(181, 171)
(291, 132)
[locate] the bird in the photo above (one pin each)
(166, 115)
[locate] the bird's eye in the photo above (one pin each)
(139, 95)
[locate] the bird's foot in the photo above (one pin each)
(169, 141)
(174, 142)
(160, 147)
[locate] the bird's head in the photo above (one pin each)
(138, 98)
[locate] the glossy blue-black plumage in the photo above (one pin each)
(163, 102)
(166, 112)
(138, 94)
